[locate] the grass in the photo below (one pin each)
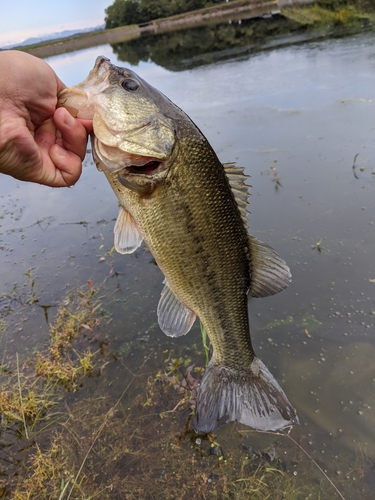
(205, 342)
(62, 363)
(104, 450)
(31, 394)
(139, 443)
(317, 16)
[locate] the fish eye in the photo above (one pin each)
(130, 85)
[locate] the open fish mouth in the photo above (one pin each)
(150, 168)
(116, 161)
(143, 177)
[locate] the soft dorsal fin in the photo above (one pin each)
(269, 272)
(174, 318)
(127, 235)
(237, 180)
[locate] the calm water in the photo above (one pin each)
(298, 117)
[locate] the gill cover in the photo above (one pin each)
(129, 125)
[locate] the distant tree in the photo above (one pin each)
(154, 9)
(124, 12)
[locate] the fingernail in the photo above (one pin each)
(69, 120)
(60, 151)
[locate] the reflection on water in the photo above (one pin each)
(183, 49)
(296, 117)
(178, 50)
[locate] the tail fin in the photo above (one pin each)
(249, 396)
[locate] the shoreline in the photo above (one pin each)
(237, 9)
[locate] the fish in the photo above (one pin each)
(192, 212)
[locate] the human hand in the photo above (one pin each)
(38, 142)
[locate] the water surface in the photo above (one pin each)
(301, 119)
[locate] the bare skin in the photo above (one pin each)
(38, 143)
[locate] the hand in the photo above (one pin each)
(38, 142)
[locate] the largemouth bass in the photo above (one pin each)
(191, 211)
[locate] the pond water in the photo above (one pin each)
(301, 118)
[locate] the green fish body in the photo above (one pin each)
(191, 212)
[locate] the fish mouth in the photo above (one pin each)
(115, 160)
(150, 168)
(143, 179)
(102, 64)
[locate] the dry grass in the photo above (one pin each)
(30, 396)
(138, 445)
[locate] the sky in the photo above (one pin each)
(22, 19)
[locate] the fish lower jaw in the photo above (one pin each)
(143, 179)
(149, 169)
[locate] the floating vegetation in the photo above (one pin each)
(309, 323)
(108, 256)
(320, 248)
(275, 178)
(272, 171)
(278, 322)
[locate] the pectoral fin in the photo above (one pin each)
(175, 319)
(269, 272)
(127, 235)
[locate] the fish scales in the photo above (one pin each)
(196, 267)
(191, 212)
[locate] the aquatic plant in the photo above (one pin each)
(30, 395)
(180, 376)
(139, 444)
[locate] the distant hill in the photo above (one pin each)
(53, 36)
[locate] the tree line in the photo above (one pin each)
(125, 12)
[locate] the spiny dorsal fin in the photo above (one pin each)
(269, 272)
(237, 180)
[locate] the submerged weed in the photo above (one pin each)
(63, 364)
(30, 392)
(113, 451)
(108, 256)
(205, 342)
(181, 377)
(140, 445)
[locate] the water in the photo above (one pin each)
(301, 119)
